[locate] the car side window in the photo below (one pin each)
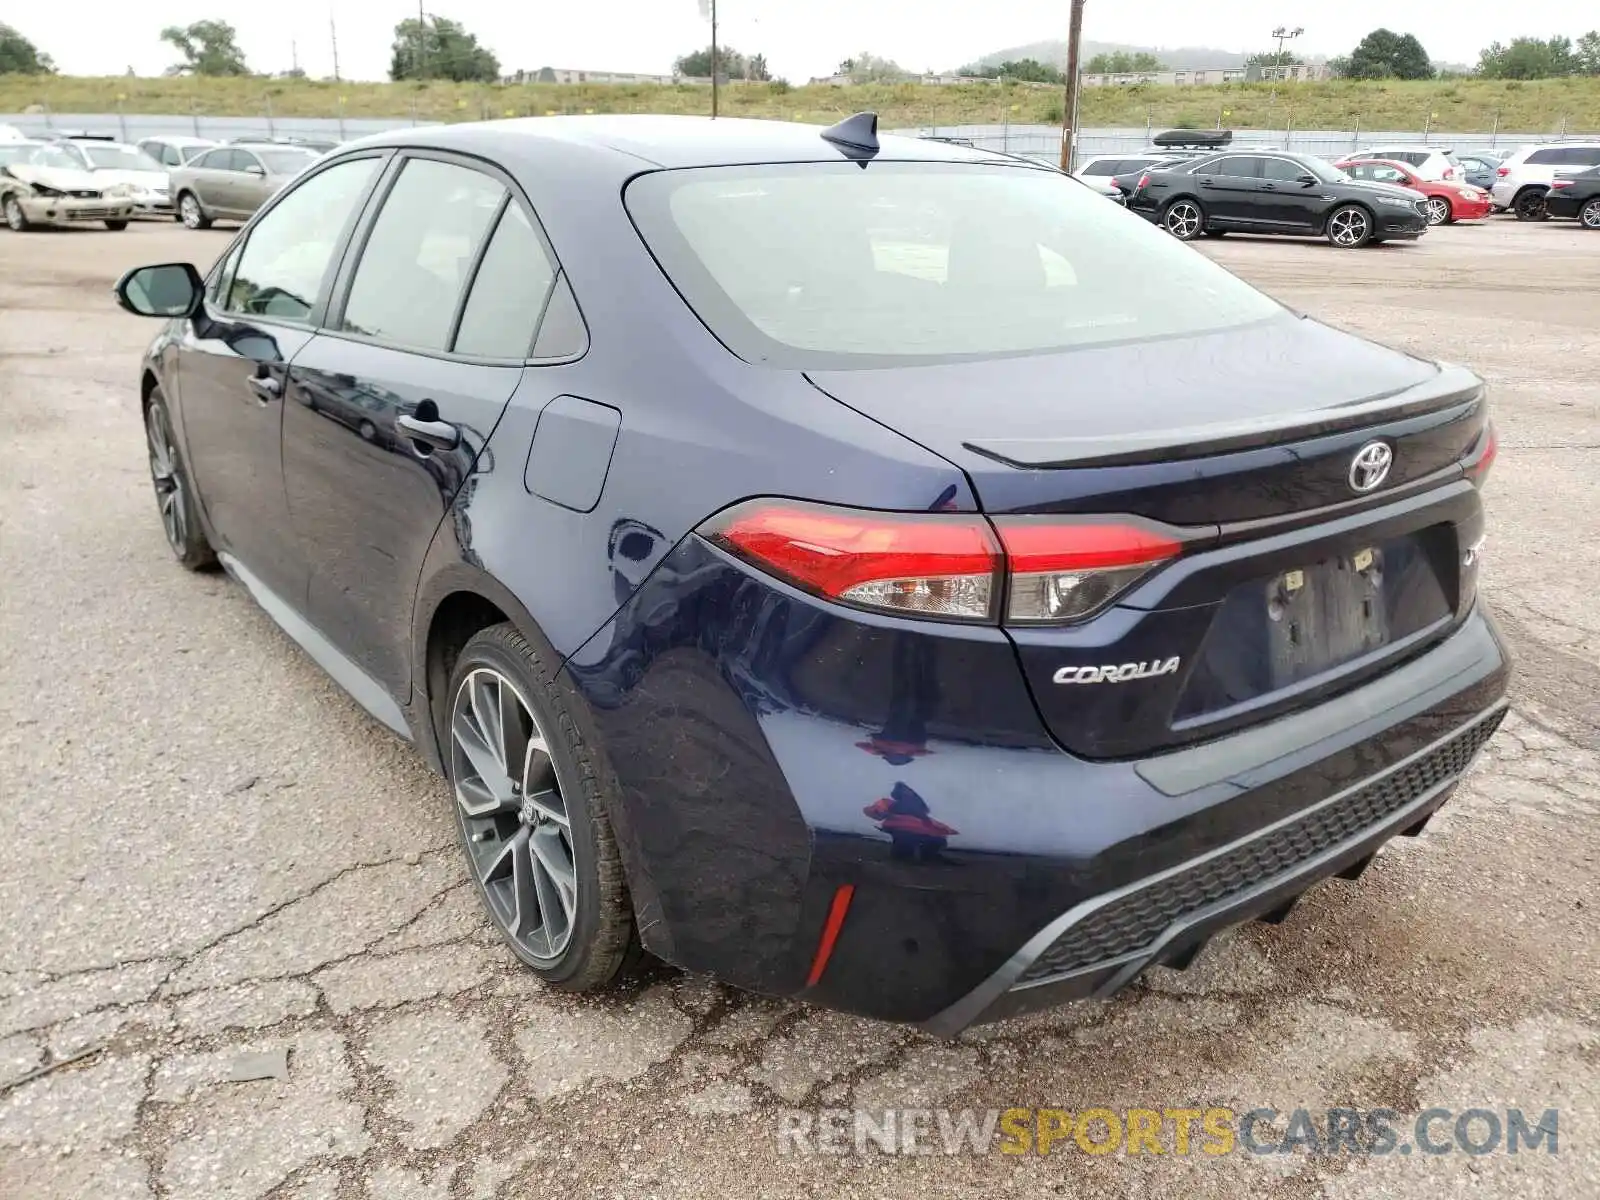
(283, 268)
(1281, 170)
(1586, 156)
(1239, 167)
(509, 292)
(1544, 158)
(213, 160)
(1106, 166)
(242, 160)
(562, 333)
(407, 284)
(222, 279)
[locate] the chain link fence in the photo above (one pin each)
(1042, 141)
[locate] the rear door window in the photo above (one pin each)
(408, 284)
(509, 292)
(1239, 167)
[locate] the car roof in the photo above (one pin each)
(632, 141)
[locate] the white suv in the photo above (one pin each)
(1523, 179)
(1430, 162)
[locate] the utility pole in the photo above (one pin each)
(715, 63)
(1069, 104)
(333, 35)
(294, 57)
(1283, 34)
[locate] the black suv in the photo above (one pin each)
(1273, 192)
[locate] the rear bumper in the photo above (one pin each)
(1083, 953)
(1566, 207)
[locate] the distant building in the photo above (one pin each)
(1299, 72)
(563, 75)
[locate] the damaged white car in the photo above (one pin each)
(41, 184)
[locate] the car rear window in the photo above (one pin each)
(830, 266)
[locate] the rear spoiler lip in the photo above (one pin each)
(1452, 387)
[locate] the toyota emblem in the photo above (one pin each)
(1370, 467)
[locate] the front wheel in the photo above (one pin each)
(191, 214)
(1531, 206)
(1439, 211)
(175, 499)
(1350, 227)
(116, 226)
(1184, 219)
(530, 810)
(1589, 214)
(16, 219)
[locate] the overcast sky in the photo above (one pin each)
(801, 38)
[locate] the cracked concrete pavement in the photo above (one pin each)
(211, 852)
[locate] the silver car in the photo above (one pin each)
(230, 182)
(174, 150)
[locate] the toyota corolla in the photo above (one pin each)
(829, 563)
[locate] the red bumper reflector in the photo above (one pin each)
(830, 931)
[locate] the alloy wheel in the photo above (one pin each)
(513, 814)
(1184, 220)
(167, 481)
(1349, 227)
(189, 210)
(15, 217)
(1438, 210)
(1590, 216)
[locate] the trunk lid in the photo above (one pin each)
(1294, 583)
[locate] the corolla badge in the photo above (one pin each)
(1370, 466)
(1124, 673)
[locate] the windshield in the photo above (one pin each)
(11, 154)
(55, 156)
(286, 162)
(121, 158)
(827, 265)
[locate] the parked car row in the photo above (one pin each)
(73, 178)
(1200, 185)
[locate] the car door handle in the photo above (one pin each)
(435, 435)
(1268, 187)
(266, 387)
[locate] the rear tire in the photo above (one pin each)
(1184, 219)
(190, 213)
(1530, 205)
(116, 226)
(1350, 227)
(1589, 214)
(530, 806)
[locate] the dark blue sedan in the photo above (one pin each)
(873, 571)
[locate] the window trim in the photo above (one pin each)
(356, 245)
(312, 319)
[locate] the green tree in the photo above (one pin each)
(1122, 62)
(755, 68)
(1531, 58)
(1272, 58)
(19, 56)
(1588, 53)
(869, 68)
(439, 48)
(732, 64)
(208, 48)
(1384, 54)
(1030, 70)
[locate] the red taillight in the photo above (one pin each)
(1065, 571)
(1478, 466)
(949, 567)
(1502, 171)
(1143, 179)
(933, 566)
(1559, 184)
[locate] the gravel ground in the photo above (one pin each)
(213, 857)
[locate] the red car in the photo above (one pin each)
(1447, 200)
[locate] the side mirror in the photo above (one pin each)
(257, 170)
(168, 290)
(1308, 180)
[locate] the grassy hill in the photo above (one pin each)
(1055, 51)
(1464, 105)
